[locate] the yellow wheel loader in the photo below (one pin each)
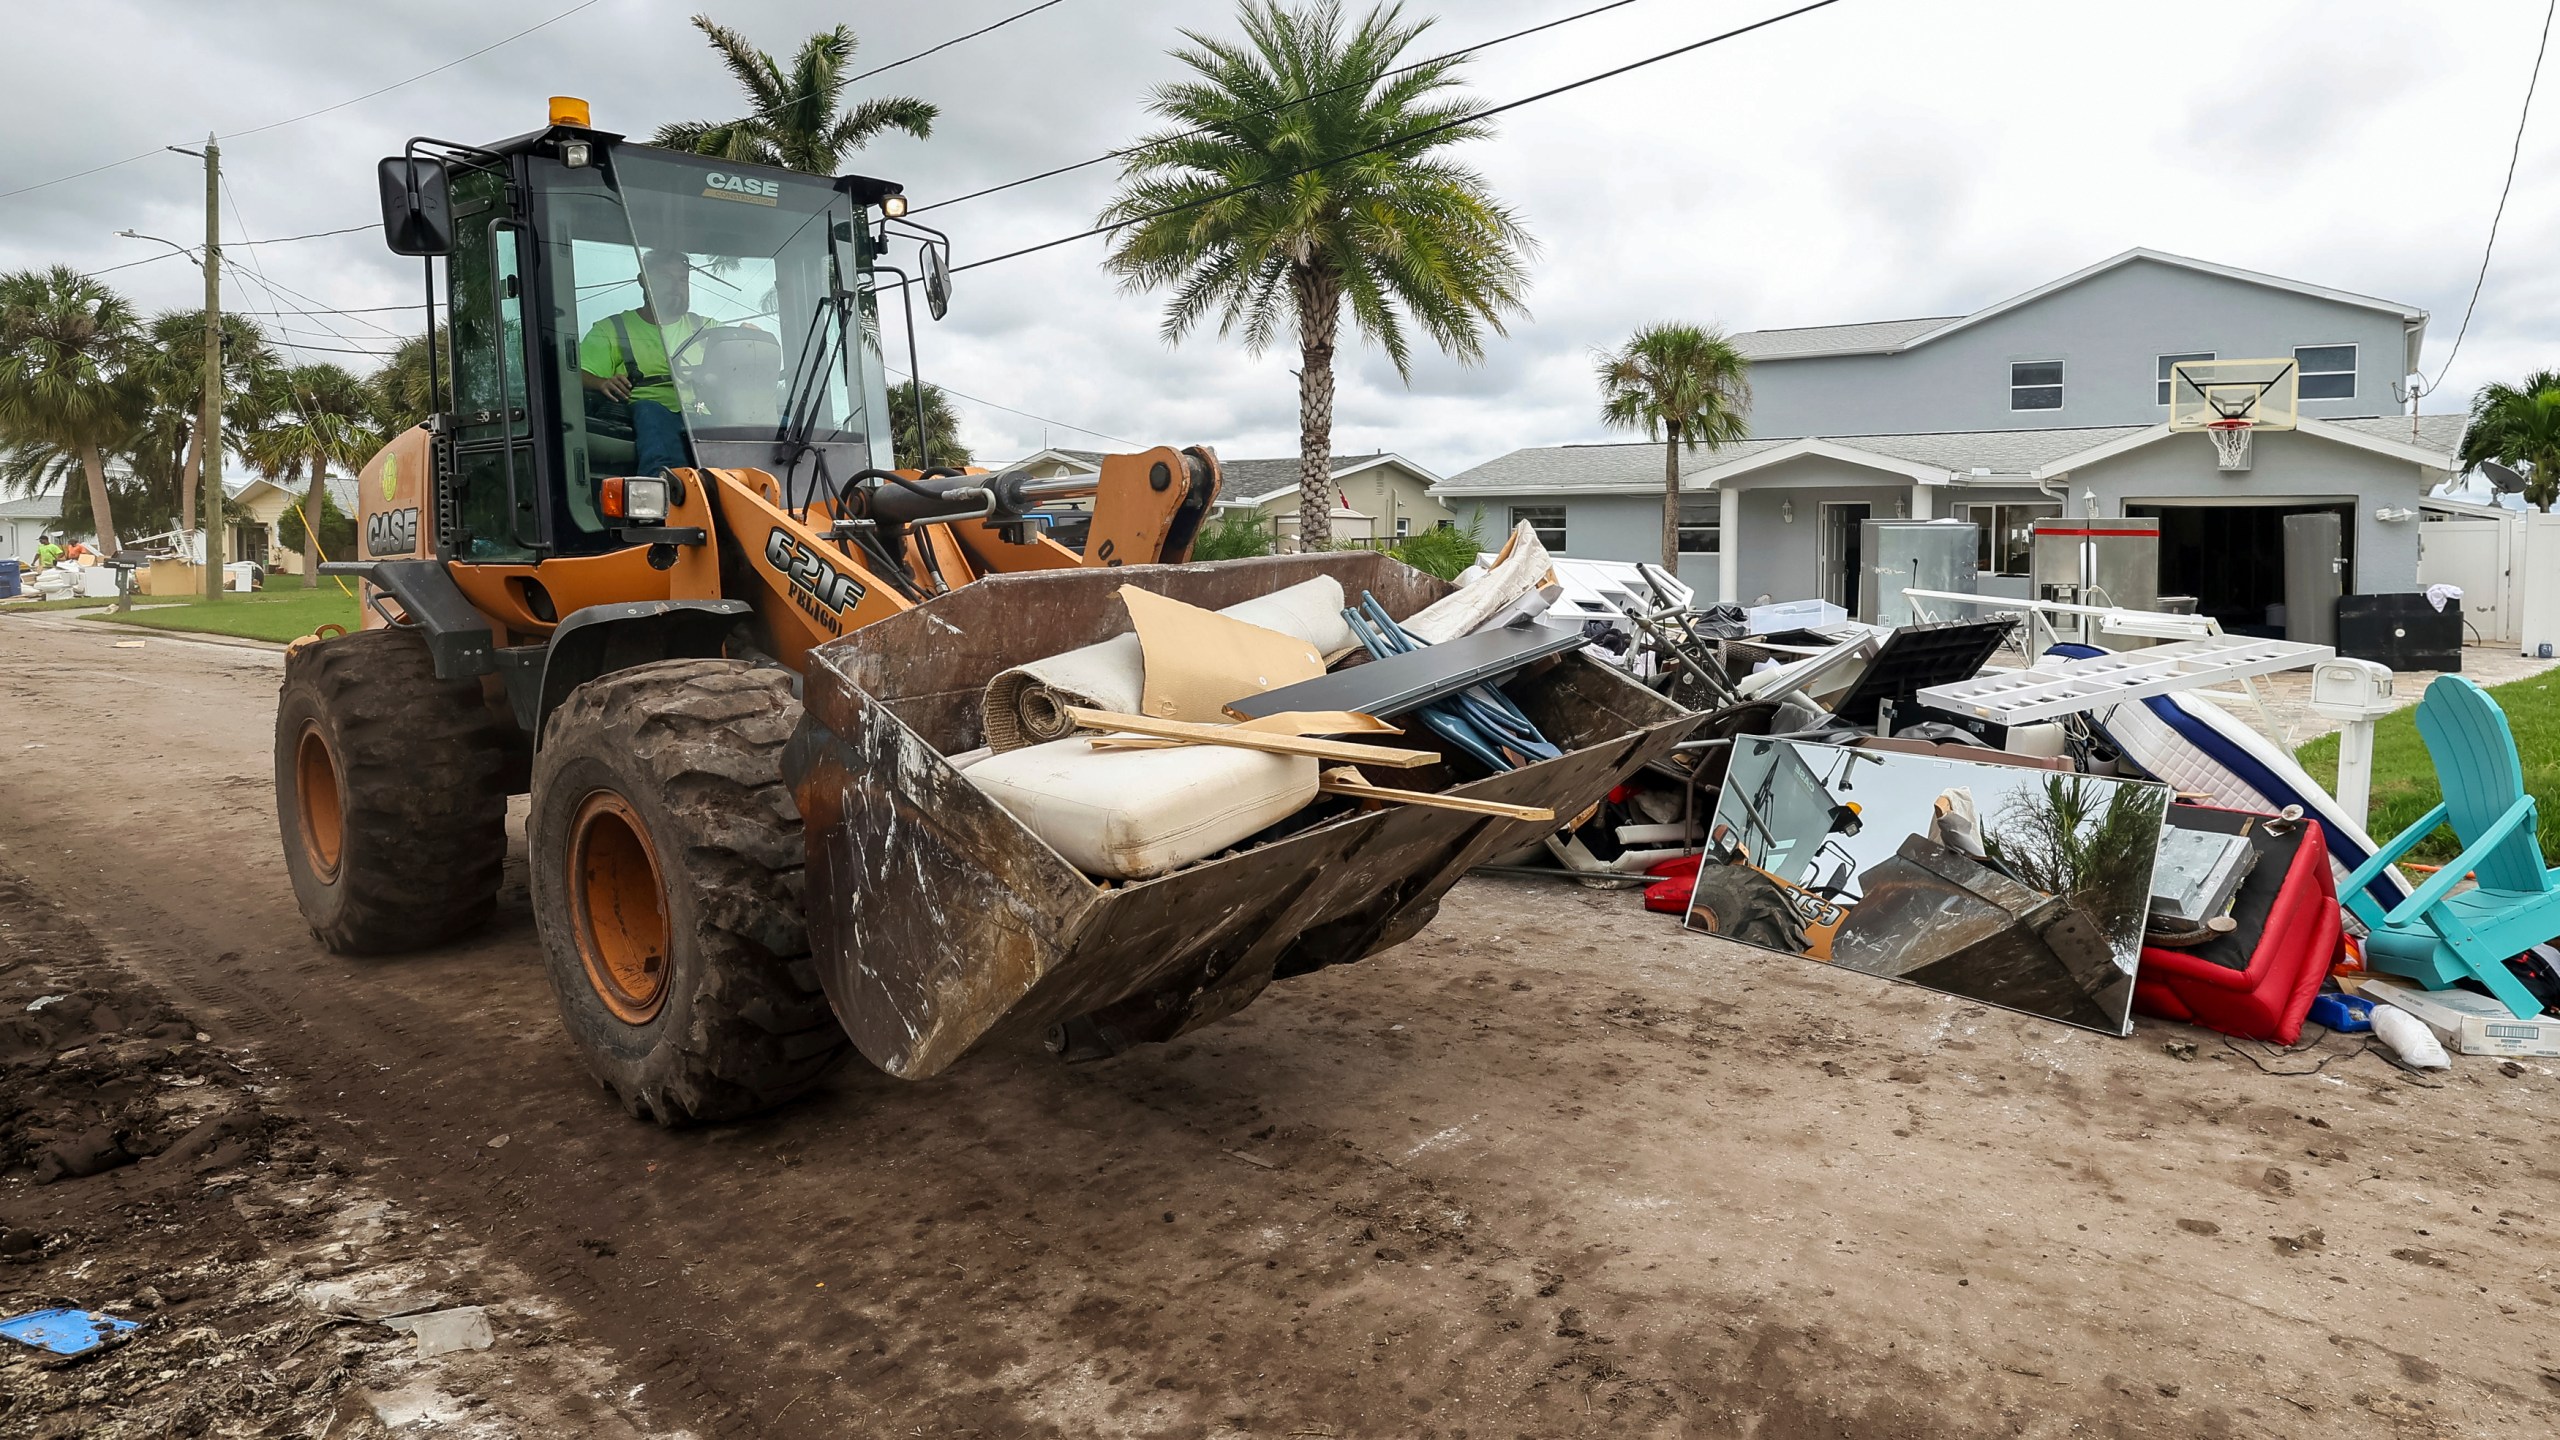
(651, 561)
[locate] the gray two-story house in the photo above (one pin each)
(2051, 403)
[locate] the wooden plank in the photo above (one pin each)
(1243, 739)
(1349, 782)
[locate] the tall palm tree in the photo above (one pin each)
(318, 416)
(1219, 209)
(170, 367)
(66, 357)
(795, 123)
(1686, 386)
(2519, 425)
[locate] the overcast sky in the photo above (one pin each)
(1878, 159)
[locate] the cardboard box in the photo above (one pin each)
(2472, 1024)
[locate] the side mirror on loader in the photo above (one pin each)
(417, 205)
(937, 280)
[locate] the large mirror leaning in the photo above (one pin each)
(2013, 885)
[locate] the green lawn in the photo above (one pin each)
(283, 611)
(2404, 781)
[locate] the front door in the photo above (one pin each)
(1842, 566)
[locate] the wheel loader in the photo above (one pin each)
(684, 624)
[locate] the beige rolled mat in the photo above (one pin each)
(1027, 705)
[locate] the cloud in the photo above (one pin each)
(1867, 161)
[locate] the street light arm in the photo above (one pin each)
(187, 250)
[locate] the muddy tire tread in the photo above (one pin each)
(705, 737)
(422, 765)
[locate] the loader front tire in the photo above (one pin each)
(391, 793)
(1740, 903)
(666, 859)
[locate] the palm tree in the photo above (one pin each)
(401, 395)
(1243, 211)
(317, 416)
(795, 123)
(170, 367)
(947, 447)
(1686, 386)
(66, 383)
(2519, 425)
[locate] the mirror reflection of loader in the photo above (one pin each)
(656, 491)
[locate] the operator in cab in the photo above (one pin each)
(624, 358)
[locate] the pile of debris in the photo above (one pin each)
(2076, 834)
(1144, 794)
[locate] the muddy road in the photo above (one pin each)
(1554, 1168)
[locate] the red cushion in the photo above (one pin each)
(2268, 999)
(1671, 897)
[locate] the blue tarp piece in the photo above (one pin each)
(64, 1332)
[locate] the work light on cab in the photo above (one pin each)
(629, 497)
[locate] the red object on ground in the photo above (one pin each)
(2259, 982)
(1671, 897)
(1673, 884)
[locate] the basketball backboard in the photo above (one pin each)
(2262, 392)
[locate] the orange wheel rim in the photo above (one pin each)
(315, 793)
(618, 907)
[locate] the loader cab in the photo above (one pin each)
(771, 362)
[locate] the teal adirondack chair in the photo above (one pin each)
(2437, 936)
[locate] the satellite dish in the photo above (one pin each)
(2502, 479)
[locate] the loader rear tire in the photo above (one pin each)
(391, 793)
(666, 861)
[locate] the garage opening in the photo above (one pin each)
(2231, 558)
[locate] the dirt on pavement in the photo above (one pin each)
(1553, 1168)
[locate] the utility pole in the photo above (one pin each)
(209, 465)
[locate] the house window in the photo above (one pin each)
(1546, 520)
(2006, 535)
(1404, 526)
(2327, 372)
(2168, 367)
(2035, 385)
(1698, 527)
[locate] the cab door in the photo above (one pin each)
(495, 511)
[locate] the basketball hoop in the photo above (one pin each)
(2230, 436)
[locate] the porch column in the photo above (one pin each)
(1728, 545)
(1924, 499)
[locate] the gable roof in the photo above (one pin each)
(32, 507)
(1929, 458)
(1870, 337)
(1890, 337)
(1250, 482)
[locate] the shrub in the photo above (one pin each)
(1445, 552)
(1241, 533)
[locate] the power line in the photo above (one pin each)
(414, 79)
(1025, 414)
(314, 235)
(355, 310)
(1365, 81)
(1401, 140)
(279, 124)
(145, 260)
(955, 40)
(772, 110)
(2482, 279)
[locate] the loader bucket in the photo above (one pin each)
(938, 920)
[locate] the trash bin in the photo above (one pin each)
(8, 579)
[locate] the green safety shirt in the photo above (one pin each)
(636, 349)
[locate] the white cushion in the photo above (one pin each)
(1129, 814)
